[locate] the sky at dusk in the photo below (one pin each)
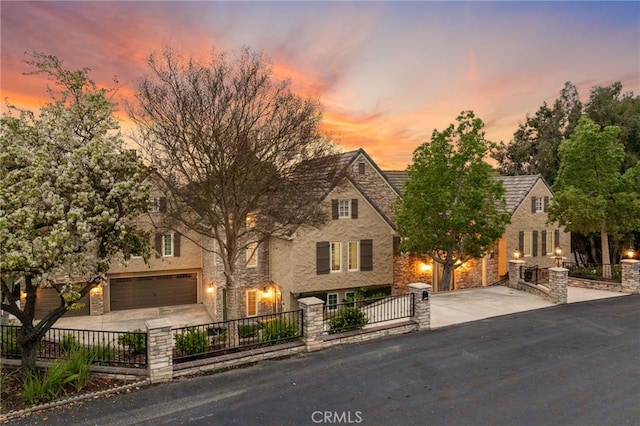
(387, 73)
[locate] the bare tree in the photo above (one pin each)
(229, 142)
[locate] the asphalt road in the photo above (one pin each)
(576, 364)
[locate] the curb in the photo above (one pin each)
(77, 398)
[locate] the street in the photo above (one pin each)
(576, 364)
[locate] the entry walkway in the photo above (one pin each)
(447, 308)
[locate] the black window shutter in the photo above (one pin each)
(176, 244)
(354, 208)
(396, 244)
(534, 239)
(533, 204)
(322, 258)
(546, 203)
(556, 237)
(366, 255)
(544, 250)
(334, 209)
(521, 242)
(162, 204)
(159, 251)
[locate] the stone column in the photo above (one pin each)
(96, 300)
(159, 350)
(631, 276)
(421, 305)
(514, 273)
(558, 281)
(312, 328)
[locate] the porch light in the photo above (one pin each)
(516, 254)
(211, 288)
(558, 251)
(97, 290)
(630, 252)
(424, 267)
(267, 293)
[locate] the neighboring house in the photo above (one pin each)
(527, 199)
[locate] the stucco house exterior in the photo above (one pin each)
(528, 198)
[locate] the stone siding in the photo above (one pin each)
(595, 285)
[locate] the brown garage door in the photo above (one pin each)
(152, 292)
(47, 299)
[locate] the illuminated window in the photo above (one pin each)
(252, 255)
(251, 220)
(527, 244)
(353, 255)
(252, 303)
(336, 257)
(550, 243)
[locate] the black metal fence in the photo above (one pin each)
(231, 336)
(354, 315)
(596, 272)
(535, 275)
(115, 348)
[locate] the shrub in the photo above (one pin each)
(69, 343)
(248, 330)
(280, 329)
(348, 319)
(37, 387)
(135, 341)
(192, 341)
(78, 369)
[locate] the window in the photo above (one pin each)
(251, 220)
(550, 245)
(354, 255)
(336, 257)
(252, 255)
(350, 296)
(526, 248)
(252, 303)
(158, 204)
(344, 209)
(361, 168)
(539, 204)
(332, 301)
(168, 245)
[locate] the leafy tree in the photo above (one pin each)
(592, 195)
(68, 196)
(534, 148)
(452, 208)
(230, 142)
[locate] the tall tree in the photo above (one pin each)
(452, 208)
(591, 193)
(534, 148)
(69, 194)
(228, 141)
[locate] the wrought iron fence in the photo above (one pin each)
(534, 275)
(115, 348)
(231, 336)
(354, 315)
(596, 272)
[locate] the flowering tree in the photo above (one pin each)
(69, 194)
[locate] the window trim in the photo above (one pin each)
(332, 306)
(527, 249)
(539, 205)
(356, 258)
(255, 304)
(171, 244)
(342, 214)
(332, 256)
(550, 248)
(252, 255)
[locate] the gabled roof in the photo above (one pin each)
(516, 187)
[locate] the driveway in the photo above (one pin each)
(447, 308)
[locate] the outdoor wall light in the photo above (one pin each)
(97, 290)
(211, 288)
(424, 267)
(558, 251)
(516, 254)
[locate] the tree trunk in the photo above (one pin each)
(606, 257)
(28, 344)
(445, 283)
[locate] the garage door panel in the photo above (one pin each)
(47, 299)
(152, 292)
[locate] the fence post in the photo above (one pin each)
(421, 305)
(558, 281)
(312, 322)
(514, 273)
(631, 276)
(159, 350)
(96, 300)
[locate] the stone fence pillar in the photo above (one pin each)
(631, 276)
(514, 272)
(312, 308)
(558, 282)
(96, 300)
(159, 350)
(421, 305)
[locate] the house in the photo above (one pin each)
(527, 200)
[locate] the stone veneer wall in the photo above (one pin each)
(596, 285)
(375, 186)
(405, 272)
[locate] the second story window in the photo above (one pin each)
(168, 245)
(539, 204)
(336, 257)
(344, 209)
(252, 255)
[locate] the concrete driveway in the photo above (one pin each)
(447, 308)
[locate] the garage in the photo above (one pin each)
(48, 299)
(153, 291)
